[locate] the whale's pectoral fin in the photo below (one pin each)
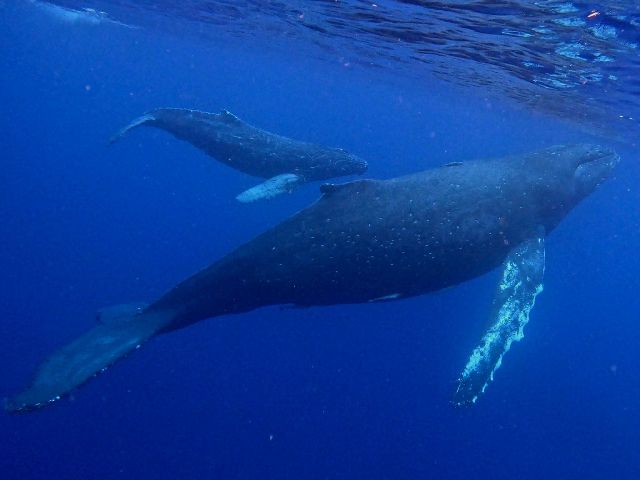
(520, 283)
(84, 358)
(284, 183)
(136, 123)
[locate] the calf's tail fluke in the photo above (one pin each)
(147, 117)
(85, 357)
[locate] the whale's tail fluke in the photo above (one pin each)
(88, 355)
(147, 117)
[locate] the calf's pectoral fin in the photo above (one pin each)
(520, 283)
(284, 183)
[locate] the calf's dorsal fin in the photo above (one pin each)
(229, 117)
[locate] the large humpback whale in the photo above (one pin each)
(370, 240)
(284, 162)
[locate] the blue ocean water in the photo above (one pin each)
(339, 392)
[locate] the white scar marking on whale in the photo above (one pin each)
(392, 296)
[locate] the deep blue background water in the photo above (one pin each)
(342, 392)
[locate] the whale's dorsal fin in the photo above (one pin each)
(521, 282)
(355, 186)
(228, 117)
(284, 183)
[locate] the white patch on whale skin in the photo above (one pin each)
(392, 296)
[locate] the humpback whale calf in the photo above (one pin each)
(370, 240)
(284, 162)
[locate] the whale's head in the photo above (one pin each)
(561, 176)
(594, 166)
(576, 170)
(331, 163)
(345, 163)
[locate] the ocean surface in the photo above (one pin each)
(340, 392)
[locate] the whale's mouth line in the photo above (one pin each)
(596, 167)
(602, 156)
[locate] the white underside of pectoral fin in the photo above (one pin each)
(520, 283)
(273, 187)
